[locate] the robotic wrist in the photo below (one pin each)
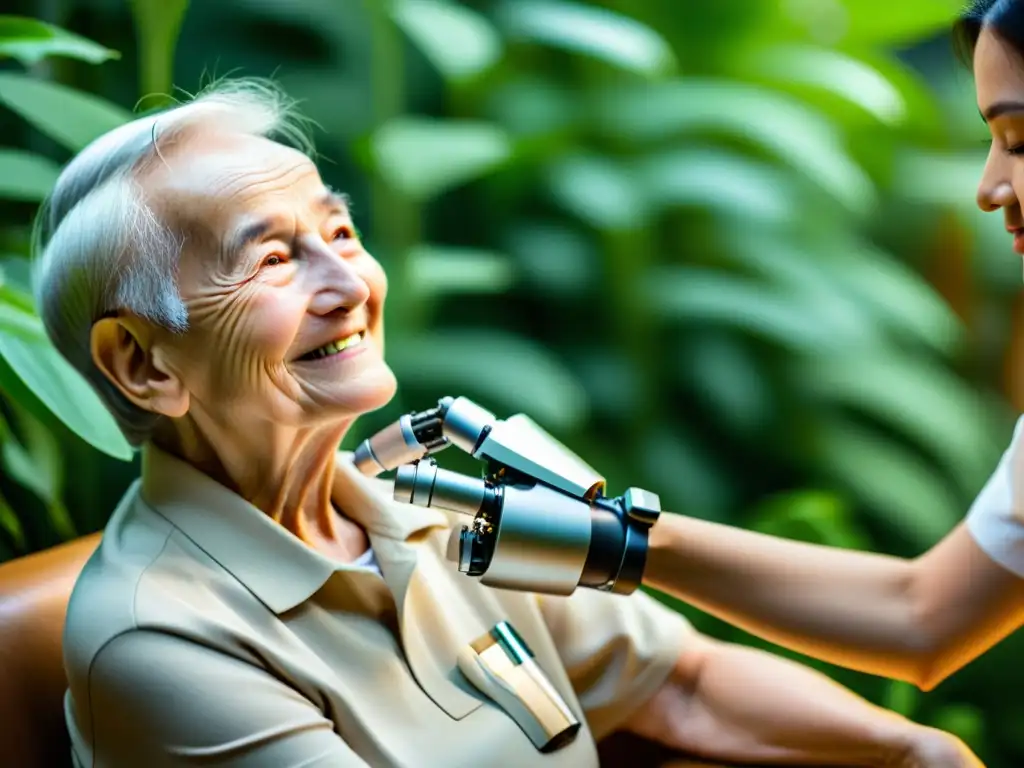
(540, 520)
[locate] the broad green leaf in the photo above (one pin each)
(597, 32)
(796, 321)
(833, 71)
(852, 279)
(813, 516)
(902, 698)
(601, 192)
(17, 322)
(897, 296)
(729, 184)
(883, 22)
(12, 525)
(906, 494)
(30, 41)
(37, 464)
(159, 23)
(784, 128)
(725, 376)
(46, 375)
(938, 178)
(26, 177)
(555, 258)
(433, 270)
(458, 41)
(916, 397)
(511, 371)
(71, 118)
(424, 157)
(686, 474)
(964, 721)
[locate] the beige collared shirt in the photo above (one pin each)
(203, 633)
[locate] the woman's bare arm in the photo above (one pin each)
(915, 620)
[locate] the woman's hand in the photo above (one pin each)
(931, 748)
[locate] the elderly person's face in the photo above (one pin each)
(285, 304)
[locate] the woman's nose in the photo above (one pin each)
(337, 284)
(995, 190)
(996, 196)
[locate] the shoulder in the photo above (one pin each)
(996, 518)
(143, 575)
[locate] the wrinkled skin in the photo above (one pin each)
(243, 406)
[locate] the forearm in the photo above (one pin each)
(851, 608)
(750, 706)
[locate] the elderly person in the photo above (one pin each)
(257, 602)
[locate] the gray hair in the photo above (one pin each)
(99, 248)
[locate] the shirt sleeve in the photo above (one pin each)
(617, 649)
(996, 518)
(159, 700)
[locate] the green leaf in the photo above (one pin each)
(852, 279)
(37, 464)
(424, 157)
(26, 177)
(71, 118)
(726, 377)
(30, 41)
(964, 721)
(882, 22)
(515, 373)
(893, 483)
(794, 320)
(894, 294)
(813, 516)
(159, 23)
(786, 128)
(599, 191)
(458, 41)
(920, 399)
(833, 71)
(596, 32)
(42, 373)
(726, 183)
(686, 475)
(434, 270)
(12, 525)
(901, 697)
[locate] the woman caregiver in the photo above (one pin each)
(916, 620)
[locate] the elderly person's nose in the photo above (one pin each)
(337, 282)
(995, 190)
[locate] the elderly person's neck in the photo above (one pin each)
(287, 473)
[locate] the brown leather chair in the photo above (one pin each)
(34, 592)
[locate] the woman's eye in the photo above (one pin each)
(344, 233)
(1017, 149)
(272, 261)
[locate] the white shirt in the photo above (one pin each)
(996, 518)
(368, 560)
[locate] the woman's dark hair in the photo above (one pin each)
(1004, 17)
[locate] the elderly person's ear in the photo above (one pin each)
(127, 349)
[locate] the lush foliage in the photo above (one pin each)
(726, 250)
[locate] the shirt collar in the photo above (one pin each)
(266, 558)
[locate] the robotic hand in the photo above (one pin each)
(541, 521)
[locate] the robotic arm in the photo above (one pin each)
(541, 521)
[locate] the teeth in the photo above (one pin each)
(335, 347)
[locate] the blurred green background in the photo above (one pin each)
(727, 250)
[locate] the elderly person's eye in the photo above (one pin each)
(346, 232)
(273, 260)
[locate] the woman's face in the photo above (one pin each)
(999, 79)
(285, 304)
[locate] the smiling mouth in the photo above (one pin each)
(335, 347)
